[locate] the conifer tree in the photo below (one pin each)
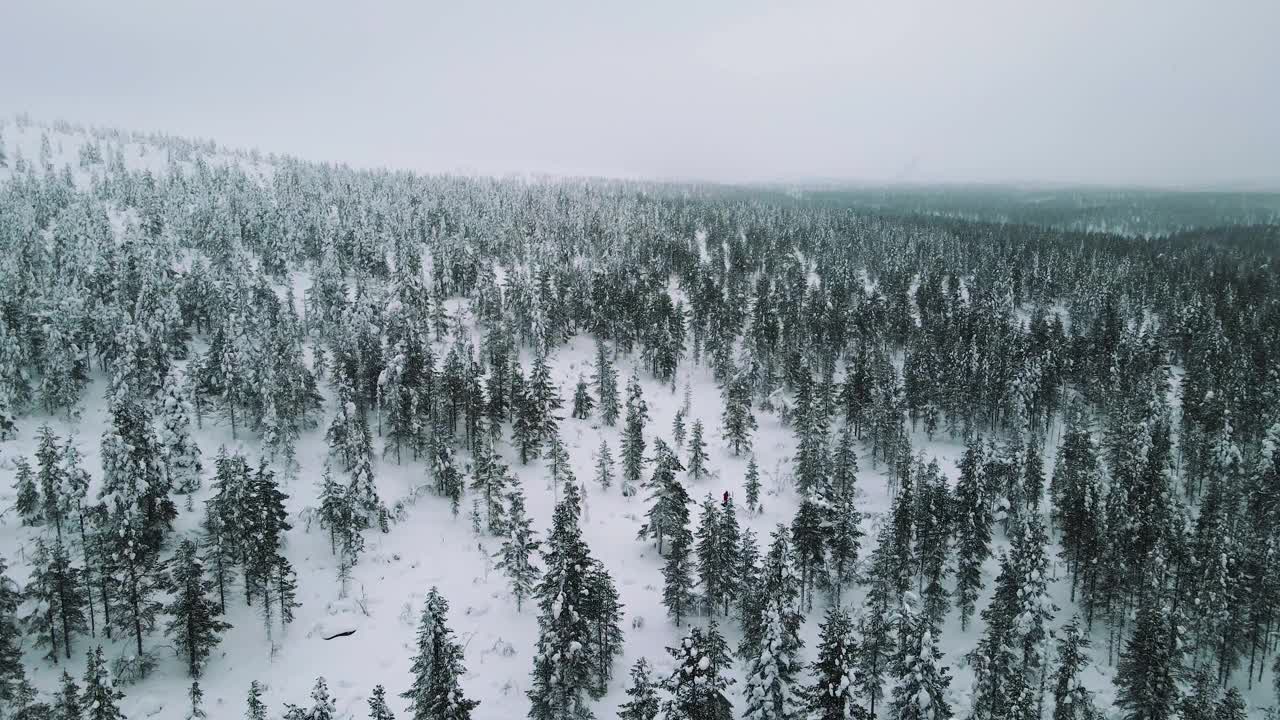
(562, 667)
(606, 380)
(196, 696)
(831, 694)
(51, 478)
(491, 478)
(712, 577)
(1071, 700)
(604, 465)
(1146, 676)
(697, 686)
(182, 454)
(752, 486)
(582, 400)
(697, 453)
(920, 693)
(643, 702)
(28, 504)
(435, 693)
(323, 706)
(101, 699)
(677, 573)
(378, 709)
(254, 707)
(12, 673)
(668, 500)
(678, 429)
(810, 530)
(517, 550)
(58, 600)
(727, 548)
(844, 532)
(775, 636)
(737, 420)
(194, 627)
(1231, 706)
(973, 531)
(633, 443)
(68, 705)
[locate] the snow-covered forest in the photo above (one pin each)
(281, 439)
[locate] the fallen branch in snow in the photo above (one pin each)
(344, 633)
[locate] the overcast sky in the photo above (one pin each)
(1154, 92)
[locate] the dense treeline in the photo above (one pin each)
(1153, 364)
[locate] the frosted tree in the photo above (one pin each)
(1071, 700)
(515, 557)
(633, 443)
(642, 702)
(582, 400)
(752, 486)
(255, 709)
(973, 531)
(922, 683)
(697, 687)
(101, 699)
(182, 454)
(435, 693)
(195, 626)
(668, 500)
(606, 380)
(28, 504)
(737, 420)
(832, 692)
(697, 465)
(604, 465)
(323, 706)
(378, 709)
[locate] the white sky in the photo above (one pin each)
(1155, 92)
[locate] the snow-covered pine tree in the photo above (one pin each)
(677, 573)
(712, 575)
(1146, 677)
(182, 453)
(323, 706)
(697, 687)
(972, 530)
(920, 693)
(378, 709)
(1071, 699)
(752, 486)
(678, 429)
(606, 380)
(195, 626)
(728, 545)
(51, 478)
(737, 420)
(57, 595)
(563, 672)
(810, 532)
(604, 465)
(68, 704)
(514, 559)
(437, 666)
(642, 696)
(12, 672)
(27, 505)
(697, 453)
(255, 709)
(668, 500)
(491, 478)
(832, 690)
(196, 696)
(101, 699)
(772, 691)
(633, 442)
(582, 400)
(844, 534)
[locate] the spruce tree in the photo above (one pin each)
(737, 420)
(677, 573)
(517, 550)
(698, 457)
(57, 596)
(712, 577)
(254, 707)
(606, 379)
(435, 693)
(810, 530)
(582, 400)
(844, 531)
(973, 531)
(1231, 706)
(323, 706)
(752, 486)
(1146, 676)
(12, 672)
(604, 465)
(920, 693)
(182, 454)
(68, 704)
(101, 699)
(643, 702)
(668, 500)
(697, 687)
(378, 709)
(775, 636)
(678, 429)
(832, 692)
(28, 504)
(194, 626)
(196, 695)
(727, 548)
(1071, 699)
(633, 443)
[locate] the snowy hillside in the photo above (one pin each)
(368, 327)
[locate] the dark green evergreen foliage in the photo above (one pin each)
(973, 530)
(196, 696)
(1071, 700)
(697, 688)
(255, 709)
(68, 704)
(642, 702)
(516, 555)
(435, 693)
(668, 500)
(491, 478)
(633, 442)
(752, 485)
(678, 571)
(844, 520)
(378, 709)
(1231, 706)
(604, 465)
(921, 690)
(606, 380)
(194, 626)
(746, 571)
(100, 699)
(582, 400)
(832, 691)
(567, 665)
(1146, 677)
(134, 476)
(698, 457)
(934, 520)
(52, 478)
(737, 421)
(28, 505)
(12, 671)
(772, 637)
(56, 594)
(811, 532)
